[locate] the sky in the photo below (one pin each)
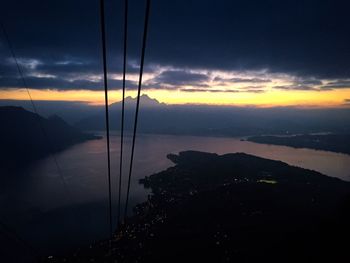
(239, 52)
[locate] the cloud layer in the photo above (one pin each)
(193, 45)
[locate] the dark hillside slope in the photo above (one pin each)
(326, 142)
(26, 136)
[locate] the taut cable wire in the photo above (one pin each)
(123, 108)
(104, 57)
(148, 3)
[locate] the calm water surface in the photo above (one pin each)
(36, 204)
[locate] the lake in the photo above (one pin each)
(36, 205)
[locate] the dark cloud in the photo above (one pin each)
(222, 90)
(340, 84)
(180, 77)
(309, 82)
(305, 38)
(255, 91)
(65, 74)
(242, 80)
(294, 87)
(62, 84)
(209, 90)
(253, 87)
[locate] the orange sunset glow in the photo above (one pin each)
(332, 98)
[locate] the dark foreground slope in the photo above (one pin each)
(232, 208)
(26, 136)
(329, 142)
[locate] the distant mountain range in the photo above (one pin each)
(209, 120)
(26, 136)
(145, 101)
(326, 142)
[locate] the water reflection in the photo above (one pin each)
(36, 204)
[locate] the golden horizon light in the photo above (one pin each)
(268, 98)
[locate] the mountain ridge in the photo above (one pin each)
(26, 136)
(145, 101)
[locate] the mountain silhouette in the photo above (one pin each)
(26, 136)
(151, 113)
(145, 102)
